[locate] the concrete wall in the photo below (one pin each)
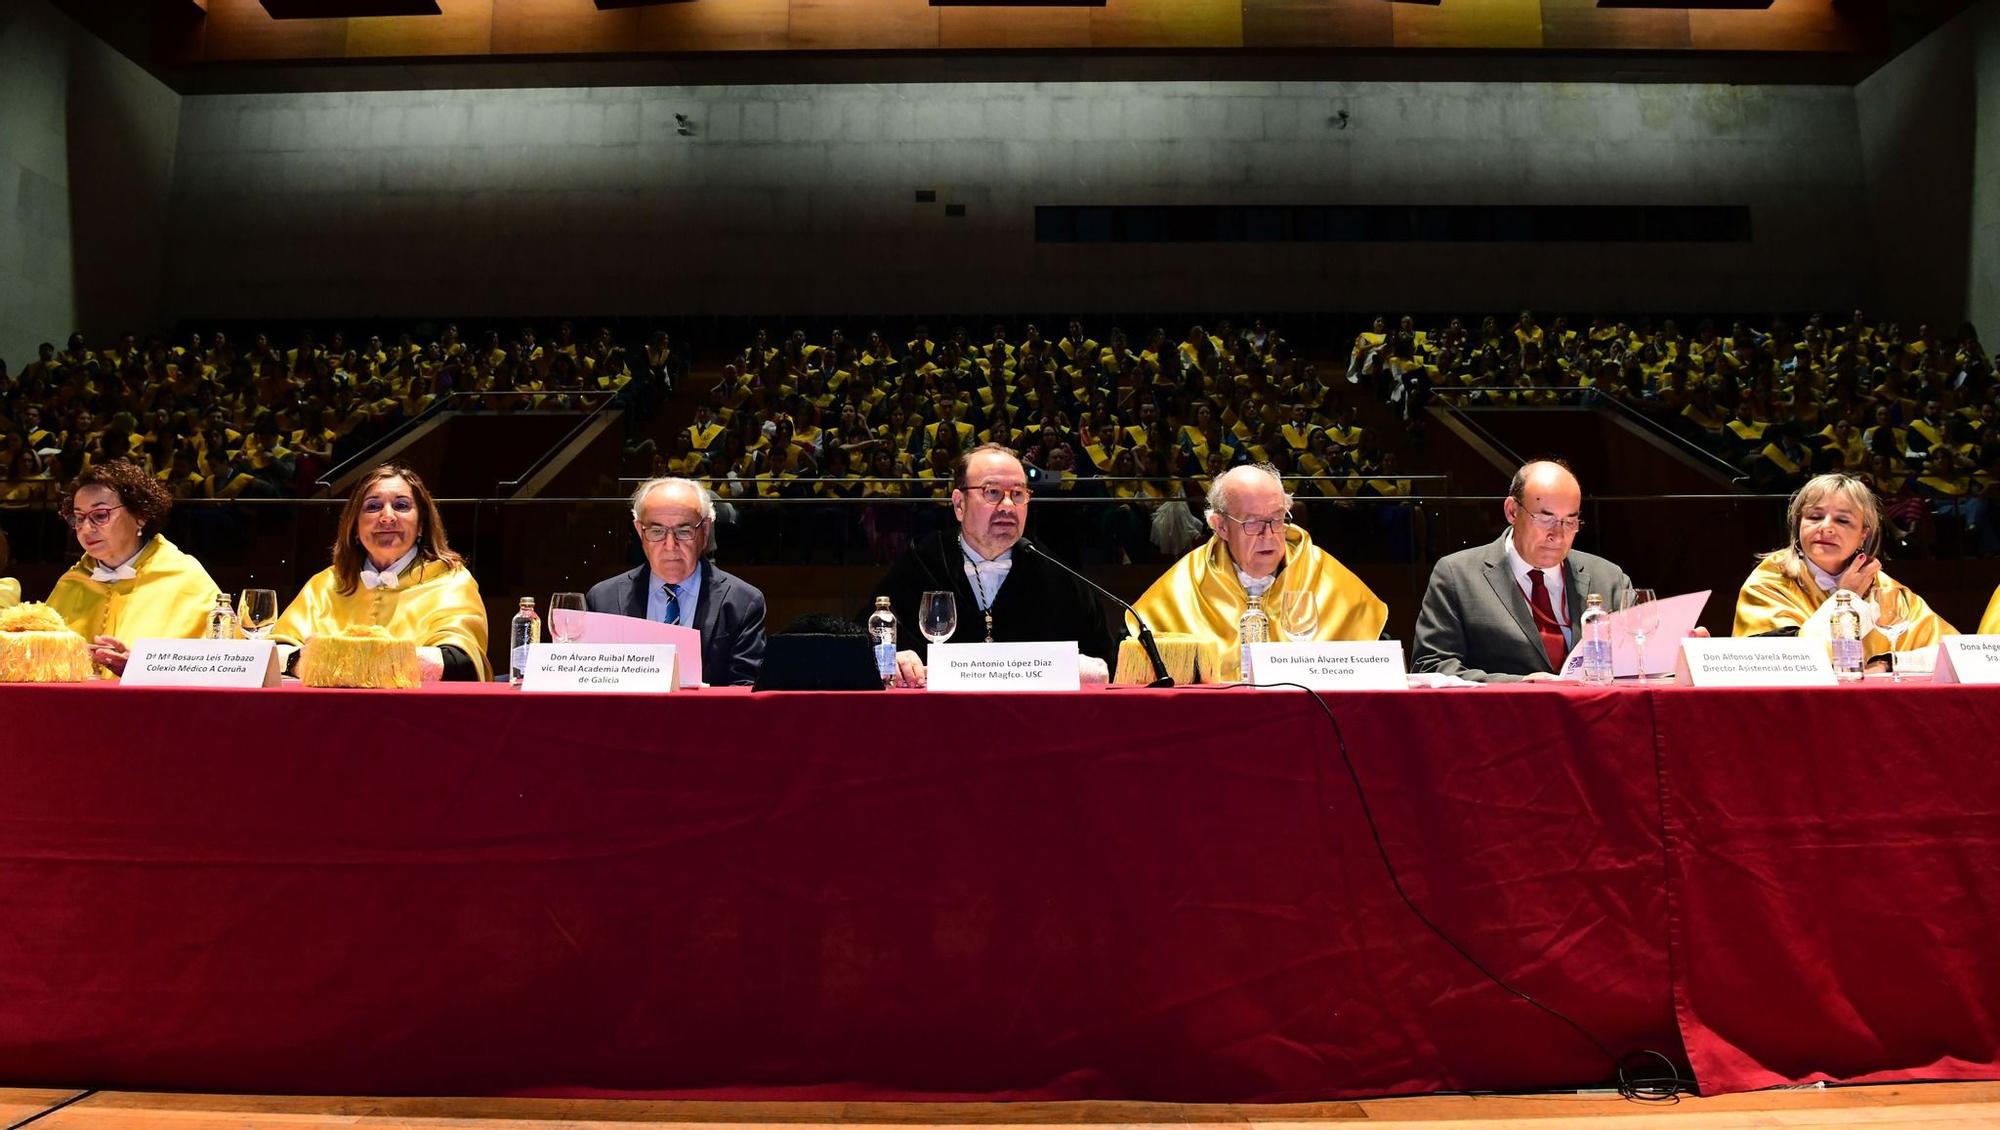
(87, 144)
(1983, 301)
(799, 199)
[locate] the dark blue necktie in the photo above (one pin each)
(673, 615)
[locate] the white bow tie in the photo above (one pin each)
(124, 572)
(370, 579)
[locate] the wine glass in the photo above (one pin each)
(257, 612)
(1642, 619)
(566, 612)
(1893, 616)
(937, 616)
(1298, 616)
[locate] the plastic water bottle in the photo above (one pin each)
(1254, 627)
(1846, 626)
(527, 630)
(882, 632)
(1597, 670)
(221, 620)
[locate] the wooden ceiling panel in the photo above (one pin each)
(1580, 25)
(1318, 23)
(715, 25)
(242, 29)
(1788, 25)
(561, 27)
(1167, 23)
(1487, 23)
(969, 27)
(464, 27)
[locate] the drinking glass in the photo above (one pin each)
(1642, 620)
(1893, 617)
(257, 612)
(566, 612)
(937, 616)
(1298, 616)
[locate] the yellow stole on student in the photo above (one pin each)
(1201, 596)
(169, 598)
(433, 604)
(1771, 600)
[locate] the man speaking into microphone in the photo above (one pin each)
(1004, 594)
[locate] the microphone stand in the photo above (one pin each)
(1160, 676)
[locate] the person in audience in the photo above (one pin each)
(1507, 611)
(681, 584)
(1003, 594)
(1255, 550)
(1834, 526)
(131, 582)
(394, 568)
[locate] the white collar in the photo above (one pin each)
(1826, 581)
(972, 556)
(123, 571)
(1255, 586)
(386, 578)
(1552, 576)
(986, 576)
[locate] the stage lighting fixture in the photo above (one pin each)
(348, 9)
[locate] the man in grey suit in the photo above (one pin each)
(678, 584)
(1507, 611)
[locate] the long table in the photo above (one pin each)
(1117, 893)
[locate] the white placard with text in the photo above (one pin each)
(1359, 665)
(601, 668)
(1973, 660)
(202, 663)
(1003, 667)
(1758, 661)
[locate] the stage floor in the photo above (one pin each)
(1930, 1105)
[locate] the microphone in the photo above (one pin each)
(1160, 676)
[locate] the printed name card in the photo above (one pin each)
(601, 668)
(1972, 660)
(202, 663)
(1755, 662)
(1003, 667)
(1368, 665)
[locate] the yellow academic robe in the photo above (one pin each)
(10, 592)
(1989, 624)
(433, 604)
(1771, 600)
(1200, 595)
(169, 599)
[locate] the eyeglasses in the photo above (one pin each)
(994, 496)
(95, 519)
(1551, 522)
(654, 532)
(1258, 527)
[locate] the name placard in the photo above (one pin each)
(1972, 660)
(1755, 662)
(1003, 667)
(601, 668)
(1361, 665)
(202, 663)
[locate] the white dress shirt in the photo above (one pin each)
(1552, 578)
(373, 578)
(986, 577)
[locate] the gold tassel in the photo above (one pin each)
(1185, 656)
(363, 656)
(37, 647)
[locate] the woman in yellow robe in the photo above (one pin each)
(393, 568)
(131, 583)
(1835, 523)
(1204, 593)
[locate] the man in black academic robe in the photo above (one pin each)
(1023, 595)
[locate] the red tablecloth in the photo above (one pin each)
(1165, 895)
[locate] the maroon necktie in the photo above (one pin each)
(1545, 620)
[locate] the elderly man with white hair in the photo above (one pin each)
(678, 584)
(1257, 550)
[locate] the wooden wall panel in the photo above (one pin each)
(1580, 25)
(977, 27)
(835, 25)
(1488, 23)
(465, 27)
(561, 27)
(705, 25)
(1167, 23)
(1318, 23)
(241, 29)
(1788, 25)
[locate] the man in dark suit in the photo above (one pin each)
(1509, 610)
(675, 519)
